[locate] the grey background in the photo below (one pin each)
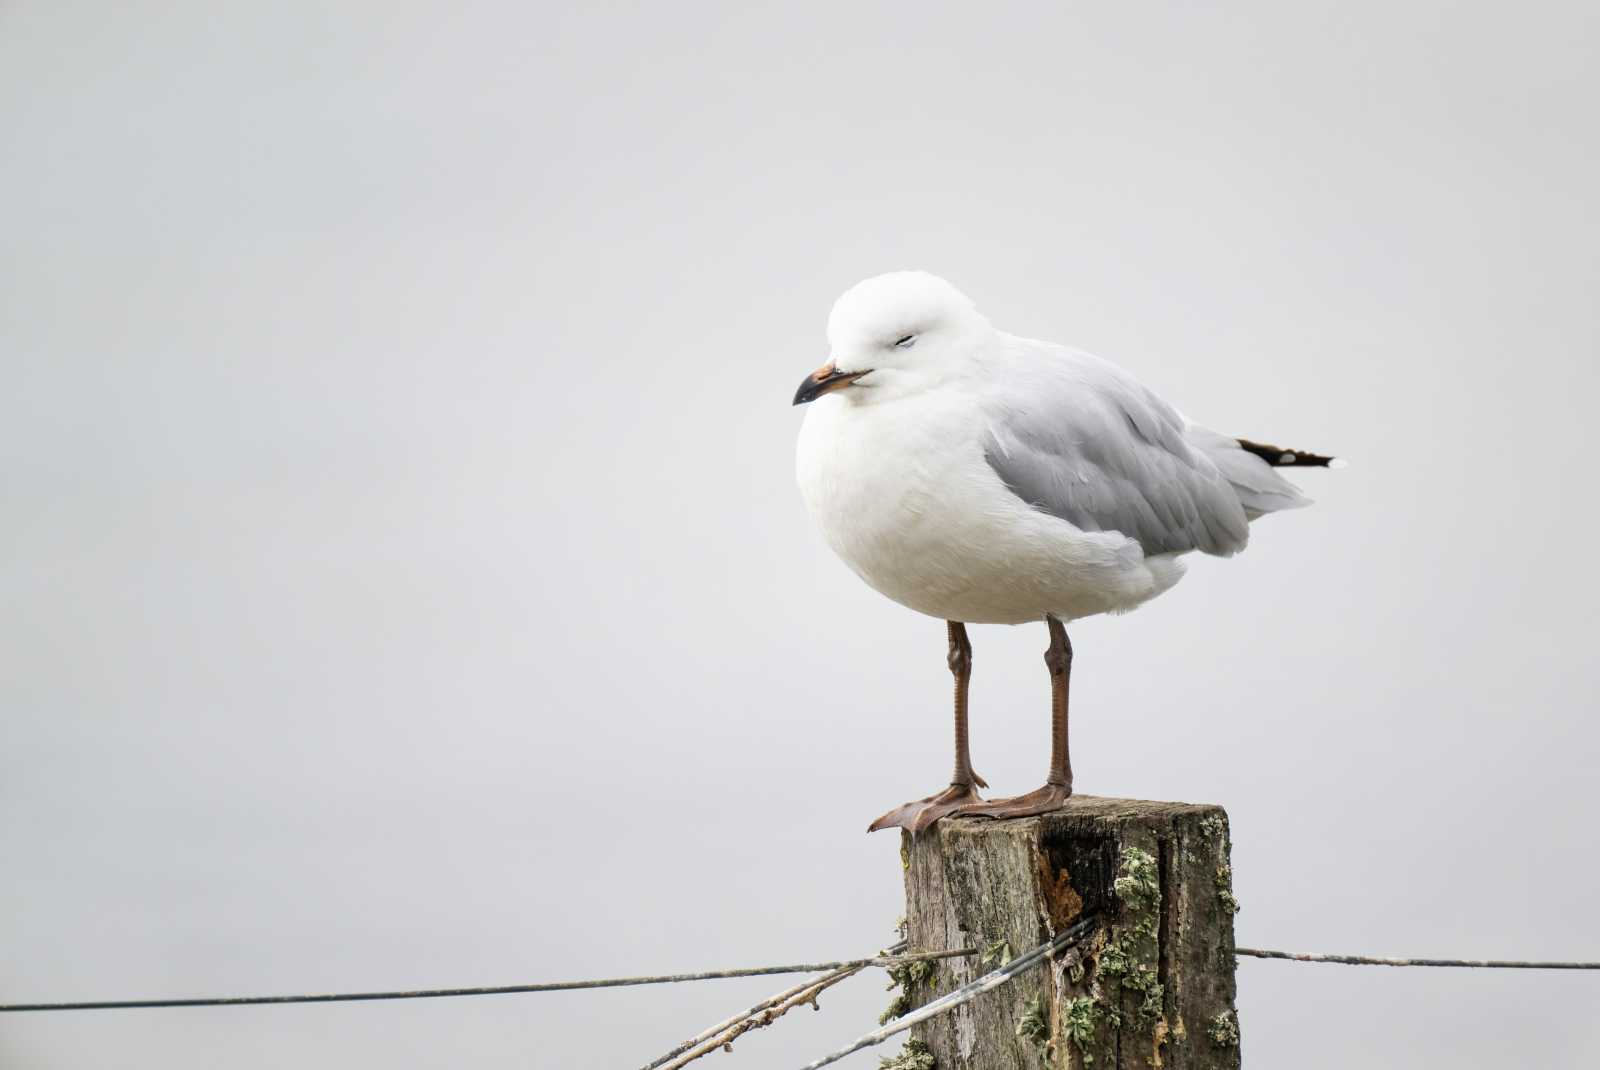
(405, 584)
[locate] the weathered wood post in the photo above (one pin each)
(1157, 989)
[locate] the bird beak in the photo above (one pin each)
(824, 380)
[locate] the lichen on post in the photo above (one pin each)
(1156, 989)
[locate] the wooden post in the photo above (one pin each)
(1157, 989)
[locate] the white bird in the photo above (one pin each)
(979, 477)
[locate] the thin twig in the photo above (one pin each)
(498, 990)
(726, 1023)
(1076, 934)
(726, 1038)
(770, 1001)
(1370, 960)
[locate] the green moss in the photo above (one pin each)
(1114, 961)
(1034, 1025)
(914, 1056)
(997, 953)
(1079, 1019)
(1223, 1031)
(897, 1008)
(1137, 885)
(1119, 965)
(1124, 970)
(1224, 882)
(1151, 996)
(1125, 964)
(905, 976)
(1214, 828)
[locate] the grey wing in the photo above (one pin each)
(1090, 445)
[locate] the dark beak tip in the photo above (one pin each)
(812, 388)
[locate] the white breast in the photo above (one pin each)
(902, 493)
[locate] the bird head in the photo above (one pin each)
(894, 333)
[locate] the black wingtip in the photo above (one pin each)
(1278, 457)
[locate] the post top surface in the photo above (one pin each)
(1101, 806)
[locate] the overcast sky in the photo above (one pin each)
(405, 582)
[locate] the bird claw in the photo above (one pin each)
(917, 816)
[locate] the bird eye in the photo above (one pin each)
(906, 342)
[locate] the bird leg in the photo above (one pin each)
(1058, 787)
(964, 783)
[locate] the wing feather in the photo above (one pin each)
(1094, 447)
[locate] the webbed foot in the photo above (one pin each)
(919, 815)
(1042, 801)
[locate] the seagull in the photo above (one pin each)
(983, 478)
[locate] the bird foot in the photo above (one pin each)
(1043, 801)
(917, 816)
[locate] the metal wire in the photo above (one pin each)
(496, 990)
(1079, 936)
(753, 971)
(1077, 933)
(1370, 960)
